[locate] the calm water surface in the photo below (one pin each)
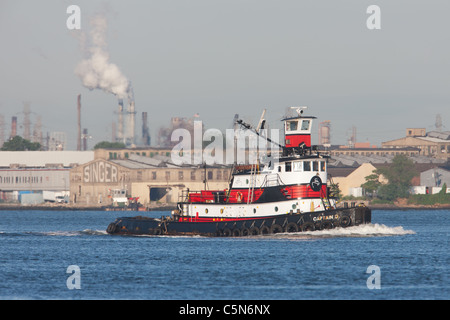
(411, 248)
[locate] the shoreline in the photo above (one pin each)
(437, 206)
(68, 207)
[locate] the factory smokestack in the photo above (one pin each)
(120, 122)
(85, 137)
(131, 115)
(13, 127)
(145, 133)
(97, 72)
(79, 123)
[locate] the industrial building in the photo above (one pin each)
(433, 144)
(152, 180)
(113, 154)
(373, 152)
(435, 178)
(349, 169)
(26, 175)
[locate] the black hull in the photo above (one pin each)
(342, 217)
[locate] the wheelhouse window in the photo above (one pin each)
(323, 166)
(305, 124)
(298, 166)
(307, 166)
(292, 125)
(315, 166)
(288, 167)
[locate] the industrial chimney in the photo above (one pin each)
(79, 123)
(85, 137)
(131, 123)
(131, 115)
(13, 127)
(120, 122)
(145, 133)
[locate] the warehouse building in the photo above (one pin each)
(152, 180)
(29, 176)
(433, 144)
(434, 179)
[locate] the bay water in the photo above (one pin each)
(403, 254)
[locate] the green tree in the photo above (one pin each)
(109, 145)
(399, 175)
(18, 143)
(372, 183)
(335, 191)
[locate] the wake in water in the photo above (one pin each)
(361, 231)
(56, 233)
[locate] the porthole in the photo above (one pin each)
(294, 206)
(254, 210)
(221, 210)
(206, 210)
(276, 209)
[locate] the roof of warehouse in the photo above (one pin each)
(43, 158)
(142, 162)
(356, 160)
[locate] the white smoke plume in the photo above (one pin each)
(96, 71)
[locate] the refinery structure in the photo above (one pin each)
(141, 171)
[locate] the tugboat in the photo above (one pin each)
(292, 194)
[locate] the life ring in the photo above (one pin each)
(239, 196)
(291, 227)
(316, 183)
(345, 221)
(276, 228)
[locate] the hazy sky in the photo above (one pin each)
(218, 58)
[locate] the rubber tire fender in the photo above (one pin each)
(291, 227)
(345, 221)
(308, 226)
(326, 225)
(254, 231)
(276, 228)
(112, 228)
(226, 232)
(236, 232)
(264, 230)
(245, 232)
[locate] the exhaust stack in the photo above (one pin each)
(79, 123)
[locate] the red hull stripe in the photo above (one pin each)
(304, 191)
